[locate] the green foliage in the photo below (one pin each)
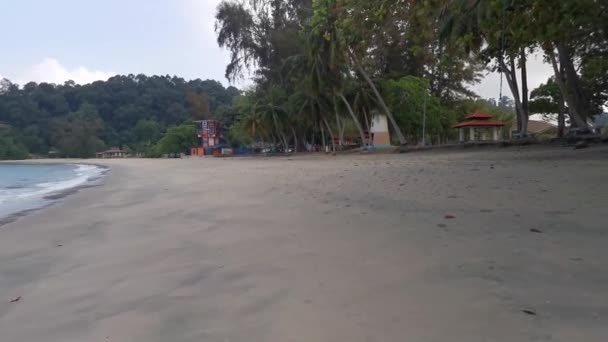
(546, 99)
(77, 134)
(10, 149)
(178, 139)
(146, 133)
(408, 97)
(239, 136)
(133, 111)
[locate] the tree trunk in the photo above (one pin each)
(369, 130)
(524, 93)
(388, 113)
(285, 142)
(295, 140)
(331, 134)
(511, 76)
(280, 131)
(342, 131)
(323, 138)
(357, 123)
(338, 124)
(575, 118)
(573, 86)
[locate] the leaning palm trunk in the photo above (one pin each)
(338, 123)
(280, 131)
(354, 117)
(295, 140)
(366, 123)
(323, 137)
(387, 111)
(285, 142)
(331, 134)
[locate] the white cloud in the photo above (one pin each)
(51, 71)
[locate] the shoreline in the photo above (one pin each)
(54, 198)
(421, 247)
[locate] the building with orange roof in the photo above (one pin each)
(480, 127)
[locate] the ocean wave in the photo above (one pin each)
(82, 174)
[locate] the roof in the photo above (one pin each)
(114, 150)
(480, 123)
(537, 127)
(478, 115)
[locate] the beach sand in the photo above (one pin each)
(432, 246)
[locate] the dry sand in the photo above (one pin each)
(350, 248)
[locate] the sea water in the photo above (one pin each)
(26, 187)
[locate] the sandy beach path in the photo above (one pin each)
(427, 247)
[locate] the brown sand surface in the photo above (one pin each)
(319, 248)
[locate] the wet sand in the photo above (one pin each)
(488, 245)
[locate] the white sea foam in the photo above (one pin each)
(84, 173)
(33, 195)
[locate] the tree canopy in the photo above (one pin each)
(321, 70)
(320, 66)
(132, 112)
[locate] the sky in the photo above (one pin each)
(84, 41)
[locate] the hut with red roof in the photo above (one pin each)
(480, 127)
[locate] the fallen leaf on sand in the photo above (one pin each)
(16, 299)
(536, 231)
(529, 312)
(449, 217)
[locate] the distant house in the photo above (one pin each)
(114, 152)
(380, 135)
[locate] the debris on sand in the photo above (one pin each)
(533, 230)
(529, 312)
(16, 299)
(449, 217)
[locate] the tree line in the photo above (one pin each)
(322, 69)
(132, 112)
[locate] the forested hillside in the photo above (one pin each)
(131, 111)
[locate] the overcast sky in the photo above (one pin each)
(59, 40)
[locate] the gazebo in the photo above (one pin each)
(481, 127)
